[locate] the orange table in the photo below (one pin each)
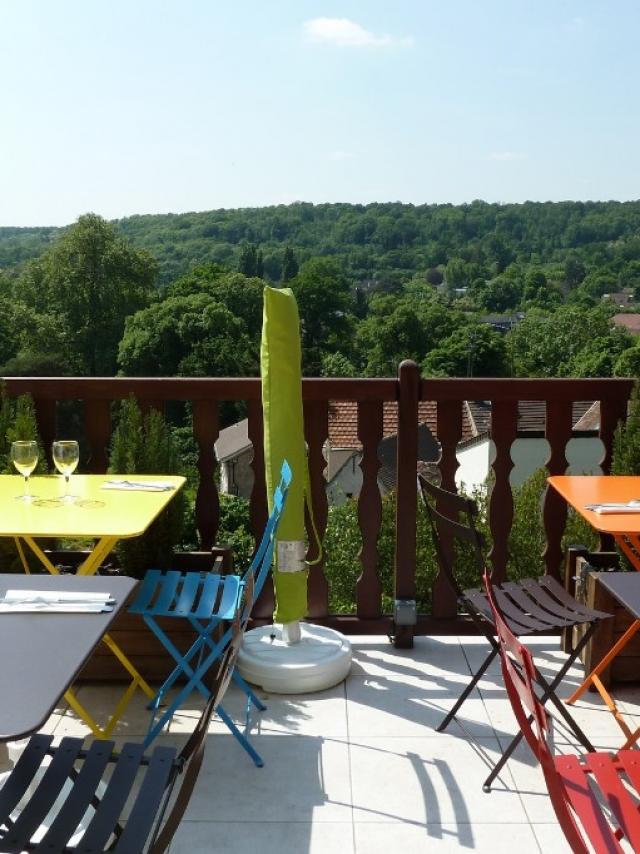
(580, 491)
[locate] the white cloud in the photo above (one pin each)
(345, 33)
(505, 156)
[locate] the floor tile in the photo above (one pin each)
(306, 777)
(377, 707)
(267, 837)
(429, 781)
(435, 838)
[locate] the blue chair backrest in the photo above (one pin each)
(263, 558)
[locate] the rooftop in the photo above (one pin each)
(361, 768)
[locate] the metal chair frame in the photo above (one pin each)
(79, 780)
(596, 796)
(531, 606)
(207, 601)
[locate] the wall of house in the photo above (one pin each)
(236, 475)
(347, 482)
(528, 455)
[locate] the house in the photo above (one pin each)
(623, 298)
(530, 450)
(234, 453)
(344, 450)
(630, 322)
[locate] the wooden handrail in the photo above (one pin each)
(206, 394)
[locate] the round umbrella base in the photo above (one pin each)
(321, 659)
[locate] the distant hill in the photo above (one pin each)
(375, 241)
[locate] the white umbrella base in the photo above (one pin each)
(321, 659)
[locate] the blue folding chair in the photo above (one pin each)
(206, 600)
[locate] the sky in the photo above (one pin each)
(165, 106)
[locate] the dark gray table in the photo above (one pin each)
(625, 587)
(41, 654)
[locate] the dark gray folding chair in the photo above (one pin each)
(80, 780)
(530, 606)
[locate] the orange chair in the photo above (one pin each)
(585, 791)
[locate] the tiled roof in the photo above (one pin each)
(343, 421)
(630, 322)
(531, 415)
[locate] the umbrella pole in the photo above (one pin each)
(291, 632)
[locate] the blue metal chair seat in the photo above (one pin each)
(207, 601)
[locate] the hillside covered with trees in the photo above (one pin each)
(182, 294)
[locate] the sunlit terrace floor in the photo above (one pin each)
(360, 767)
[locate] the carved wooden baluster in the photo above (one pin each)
(504, 426)
(316, 428)
(97, 422)
(406, 495)
(206, 431)
(368, 585)
(554, 514)
(263, 608)
(445, 603)
(46, 420)
(611, 413)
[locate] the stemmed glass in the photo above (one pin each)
(24, 455)
(65, 457)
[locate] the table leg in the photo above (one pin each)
(103, 547)
(137, 681)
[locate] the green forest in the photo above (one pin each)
(182, 294)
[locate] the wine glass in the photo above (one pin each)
(65, 457)
(24, 455)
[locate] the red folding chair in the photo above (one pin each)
(596, 797)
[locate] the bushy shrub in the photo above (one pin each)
(146, 445)
(18, 422)
(343, 542)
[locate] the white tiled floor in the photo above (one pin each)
(360, 769)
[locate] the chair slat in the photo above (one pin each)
(168, 588)
(45, 795)
(624, 808)
(559, 593)
(145, 809)
(16, 785)
(532, 606)
(107, 815)
(209, 596)
(191, 582)
(585, 804)
(513, 612)
(228, 603)
(79, 799)
(146, 591)
(479, 601)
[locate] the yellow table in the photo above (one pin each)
(102, 515)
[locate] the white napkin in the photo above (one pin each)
(615, 507)
(71, 601)
(139, 485)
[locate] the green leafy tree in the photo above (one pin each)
(471, 350)
(89, 281)
(323, 295)
(289, 265)
(187, 336)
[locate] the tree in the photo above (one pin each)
(323, 295)
(473, 350)
(251, 261)
(289, 265)
(189, 336)
(89, 282)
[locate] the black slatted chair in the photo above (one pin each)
(78, 780)
(531, 606)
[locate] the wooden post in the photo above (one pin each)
(406, 496)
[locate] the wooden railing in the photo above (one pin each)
(206, 396)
